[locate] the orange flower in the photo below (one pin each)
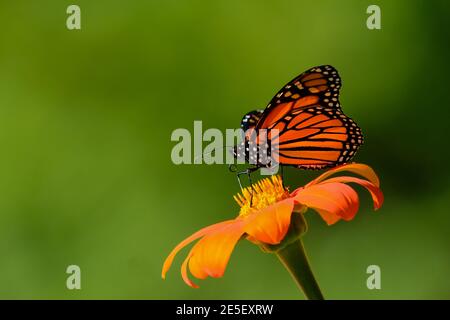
(267, 220)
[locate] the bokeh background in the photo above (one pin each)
(86, 117)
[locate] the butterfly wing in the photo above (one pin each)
(320, 83)
(313, 131)
(317, 137)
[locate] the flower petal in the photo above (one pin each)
(210, 256)
(182, 244)
(375, 192)
(329, 217)
(332, 200)
(358, 168)
(270, 225)
(184, 272)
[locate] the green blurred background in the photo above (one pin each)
(86, 117)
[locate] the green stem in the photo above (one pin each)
(294, 258)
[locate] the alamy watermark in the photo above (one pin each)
(73, 21)
(73, 281)
(374, 280)
(374, 20)
(235, 146)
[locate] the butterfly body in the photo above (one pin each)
(312, 132)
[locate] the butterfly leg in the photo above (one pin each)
(248, 172)
(233, 168)
(238, 176)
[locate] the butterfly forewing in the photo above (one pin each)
(313, 131)
(322, 82)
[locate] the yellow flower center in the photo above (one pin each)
(261, 195)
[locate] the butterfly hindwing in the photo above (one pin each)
(317, 137)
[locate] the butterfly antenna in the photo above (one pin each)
(208, 153)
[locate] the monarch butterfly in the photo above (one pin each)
(313, 132)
